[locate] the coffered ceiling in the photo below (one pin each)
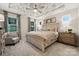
(35, 9)
(41, 8)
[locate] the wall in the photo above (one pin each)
(2, 20)
(78, 26)
(24, 26)
(73, 23)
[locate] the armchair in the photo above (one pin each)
(11, 38)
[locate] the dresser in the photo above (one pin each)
(67, 38)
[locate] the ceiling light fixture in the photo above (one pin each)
(35, 10)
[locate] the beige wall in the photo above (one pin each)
(73, 23)
(24, 26)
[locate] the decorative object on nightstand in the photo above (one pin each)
(70, 30)
(67, 38)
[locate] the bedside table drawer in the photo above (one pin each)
(69, 37)
(67, 40)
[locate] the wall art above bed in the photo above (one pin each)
(50, 25)
(50, 20)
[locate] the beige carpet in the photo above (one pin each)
(26, 49)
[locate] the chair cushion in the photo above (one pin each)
(12, 34)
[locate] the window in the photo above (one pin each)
(11, 20)
(12, 24)
(32, 26)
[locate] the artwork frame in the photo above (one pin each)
(51, 20)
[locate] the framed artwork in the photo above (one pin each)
(47, 21)
(51, 20)
(66, 18)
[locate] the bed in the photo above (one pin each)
(44, 38)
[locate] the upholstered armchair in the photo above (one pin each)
(11, 38)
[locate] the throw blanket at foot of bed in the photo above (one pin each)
(42, 39)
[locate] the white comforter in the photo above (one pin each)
(45, 34)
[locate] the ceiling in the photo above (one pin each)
(43, 8)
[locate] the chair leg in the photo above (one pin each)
(3, 47)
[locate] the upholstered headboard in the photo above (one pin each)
(50, 25)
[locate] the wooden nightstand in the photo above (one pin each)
(67, 38)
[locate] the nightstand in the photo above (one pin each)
(67, 38)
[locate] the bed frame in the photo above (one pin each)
(40, 42)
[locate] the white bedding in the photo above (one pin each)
(45, 34)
